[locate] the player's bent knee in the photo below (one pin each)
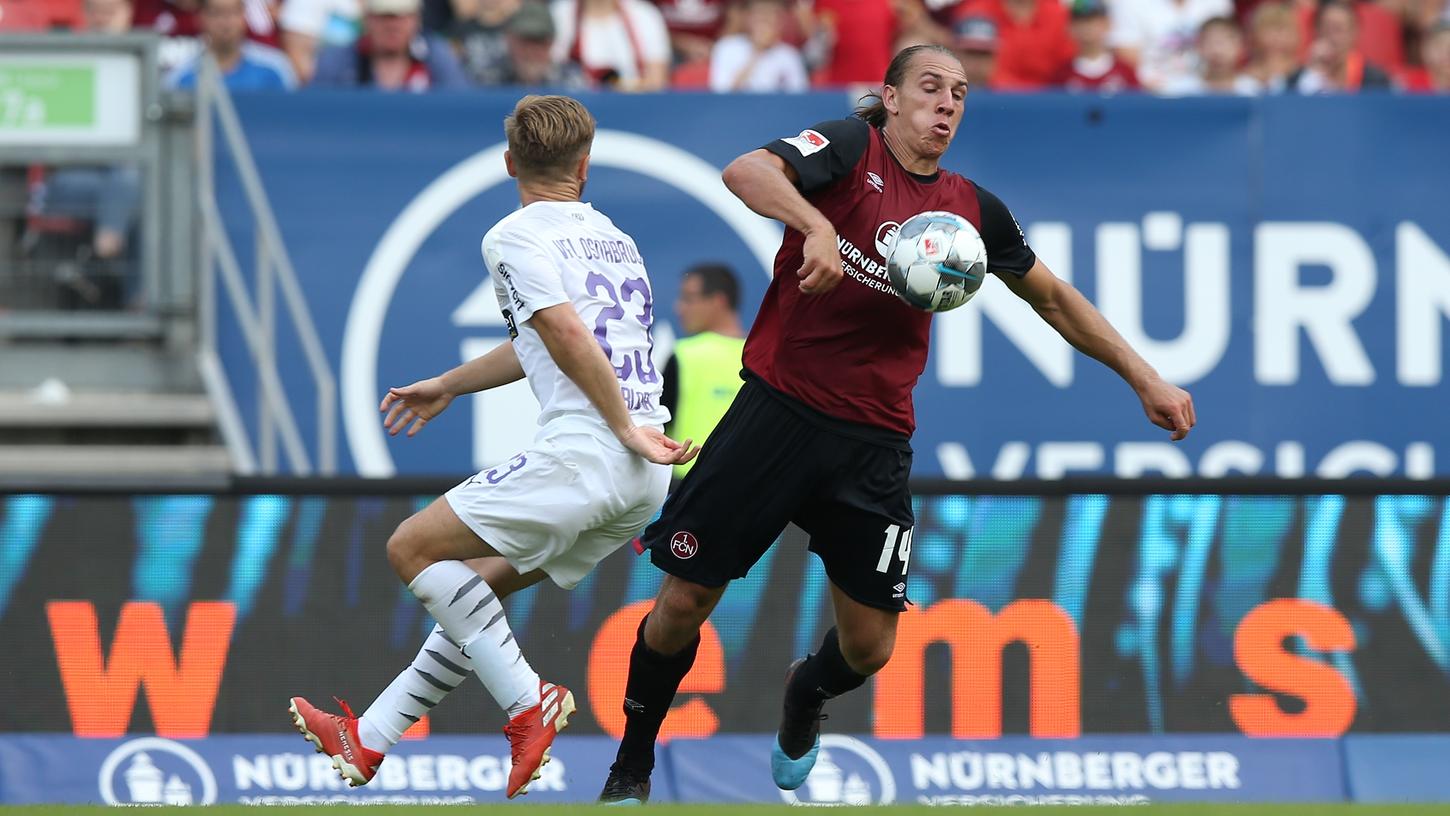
(680, 610)
(684, 605)
(869, 654)
(405, 551)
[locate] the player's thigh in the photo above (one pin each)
(433, 534)
(761, 465)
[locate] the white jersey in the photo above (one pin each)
(553, 252)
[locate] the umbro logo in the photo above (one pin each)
(630, 705)
(901, 587)
(875, 181)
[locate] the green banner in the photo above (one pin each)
(47, 96)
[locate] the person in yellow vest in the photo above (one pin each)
(703, 374)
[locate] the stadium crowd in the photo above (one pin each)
(1169, 47)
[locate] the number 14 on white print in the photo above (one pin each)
(897, 542)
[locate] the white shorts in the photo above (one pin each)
(562, 505)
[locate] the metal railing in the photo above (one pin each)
(256, 314)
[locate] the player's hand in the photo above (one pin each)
(821, 270)
(658, 448)
(417, 403)
(1169, 407)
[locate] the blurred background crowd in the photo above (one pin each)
(1169, 47)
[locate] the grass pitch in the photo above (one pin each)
(663, 809)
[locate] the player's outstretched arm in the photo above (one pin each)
(1081, 324)
(767, 185)
(425, 399)
(579, 356)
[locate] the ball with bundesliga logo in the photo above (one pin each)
(936, 261)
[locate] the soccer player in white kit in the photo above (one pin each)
(577, 300)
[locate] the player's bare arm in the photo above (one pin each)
(767, 185)
(579, 356)
(426, 399)
(1080, 323)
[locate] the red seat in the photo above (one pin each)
(692, 76)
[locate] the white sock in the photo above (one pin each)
(469, 611)
(437, 670)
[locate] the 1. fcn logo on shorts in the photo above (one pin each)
(684, 545)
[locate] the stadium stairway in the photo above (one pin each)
(105, 406)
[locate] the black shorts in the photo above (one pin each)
(773, 460)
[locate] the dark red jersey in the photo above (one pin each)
(855, 353)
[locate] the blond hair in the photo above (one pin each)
(548, 135)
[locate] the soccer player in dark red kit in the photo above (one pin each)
(819, 434)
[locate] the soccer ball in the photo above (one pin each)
(936, 261)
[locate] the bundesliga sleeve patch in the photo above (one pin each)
(808, 142)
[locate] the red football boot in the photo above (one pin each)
(337, 737)
(532, 732)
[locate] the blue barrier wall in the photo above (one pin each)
(270, 769)
(1287, 259)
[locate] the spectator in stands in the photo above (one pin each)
(481, 39)
(1335, 62)
(856, 38)
(1034, 43)
(944, 13)
(107, 16)
(620, 44)
(703, 374)
(245, 66)
(1157, 37)
(530, 45)
(1273, 47)
(1381, 31)
(392, 54)
(180, 22)
(1220, 53)
(308, 26)
(694, 25)
(756, 59)
(438, 16)
(918, 24)
(1434, 74)
(975, 41)
(1095, 68)
(106, 198)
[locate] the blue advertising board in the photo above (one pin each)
(1397, 767)
(283, 770)
(271, 770)
(1017, 772)
(1285, 259)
